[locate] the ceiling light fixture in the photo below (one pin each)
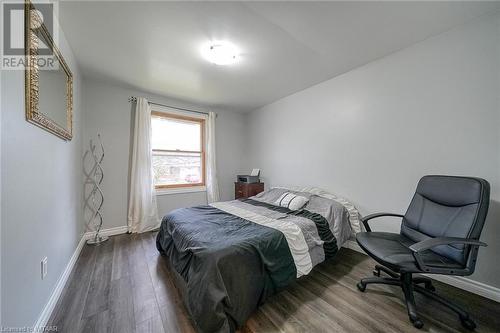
(220, 53)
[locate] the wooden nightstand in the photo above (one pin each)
(246, 190)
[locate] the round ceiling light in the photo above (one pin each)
(220, 53)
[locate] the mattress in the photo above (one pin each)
(233, 255)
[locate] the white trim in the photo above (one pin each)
(469, 285)
(44, 316)
(180, 190)
(460, 282)
(54, 297)
(108, 232)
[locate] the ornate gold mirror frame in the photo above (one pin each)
(32, 23)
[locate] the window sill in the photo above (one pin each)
(168, 191)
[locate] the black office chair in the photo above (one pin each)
(439, 235)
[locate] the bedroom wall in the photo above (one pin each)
(41, 200)
(109, 113)
(371, 133)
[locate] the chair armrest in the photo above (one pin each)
(367, 218)
(432, 242)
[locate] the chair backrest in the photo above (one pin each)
(447, 206)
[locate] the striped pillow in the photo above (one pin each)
(291, 201)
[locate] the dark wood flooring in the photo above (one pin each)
(124, 285)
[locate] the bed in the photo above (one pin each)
(229, 257)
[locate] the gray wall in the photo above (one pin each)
(41, 200)
(371, 133)
(108, 112)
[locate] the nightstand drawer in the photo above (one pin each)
(246, 190)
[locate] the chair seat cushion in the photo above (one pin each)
(392, 250)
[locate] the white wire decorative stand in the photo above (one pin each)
(95, 198)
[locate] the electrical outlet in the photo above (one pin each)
(44, 267)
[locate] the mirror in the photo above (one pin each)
(49, 82)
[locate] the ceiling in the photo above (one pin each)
(285, 46)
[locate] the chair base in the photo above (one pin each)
(410, 284)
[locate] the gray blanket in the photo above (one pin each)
(234, 255)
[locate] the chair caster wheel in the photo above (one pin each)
(376, 272)
(417, 323)
(361, 286)
(468, 324)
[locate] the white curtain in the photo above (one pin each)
(212, 184)
(142, 209)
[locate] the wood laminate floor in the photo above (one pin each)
(124, 285)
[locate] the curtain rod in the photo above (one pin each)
(133, 99)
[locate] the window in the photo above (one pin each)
(178, 144)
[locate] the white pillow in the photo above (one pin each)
(291, 201)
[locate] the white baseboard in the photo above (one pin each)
(54, 297)
(44, 316)
(460, 282)
(108, 232)
(469, 285)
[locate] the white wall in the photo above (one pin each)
(370, 134)
(108, 112)
(41, 200)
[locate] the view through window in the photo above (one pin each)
(178, 150)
